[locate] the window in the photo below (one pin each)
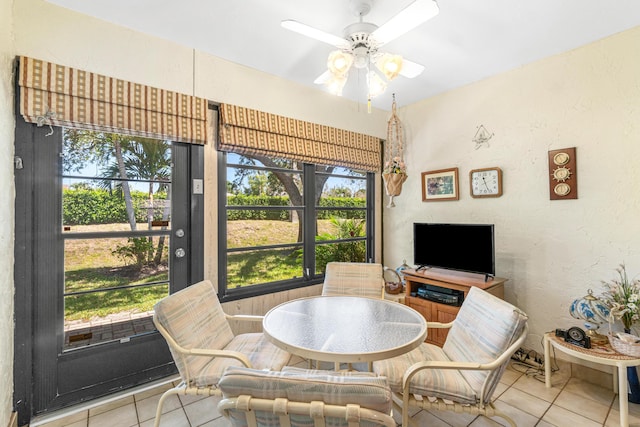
(116, 202)
(285, 220)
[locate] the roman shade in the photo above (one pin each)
(252, 132)
(53, 94)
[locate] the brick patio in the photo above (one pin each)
(81, 333)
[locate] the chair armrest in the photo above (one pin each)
(201, 351)
(441, 364)
(244, 317)
(438, 325)
(446, 364)
(218, 353)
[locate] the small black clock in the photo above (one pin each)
(577, 336)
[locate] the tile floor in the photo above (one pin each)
(521, 394)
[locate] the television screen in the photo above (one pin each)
(463, 247)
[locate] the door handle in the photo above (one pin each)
(180, 253)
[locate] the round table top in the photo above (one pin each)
(345, 328)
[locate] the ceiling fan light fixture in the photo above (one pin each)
(336, 83)
(376, 84)
(339, 62)
(359, 47)
(389, 65)
(361, 57)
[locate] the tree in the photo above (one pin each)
(123, 158)
(85, 146)
(257, 184)
(339, 191)
(150, 159)
(290, 181)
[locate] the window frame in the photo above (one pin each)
(308, 243)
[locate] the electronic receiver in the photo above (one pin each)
(441, 295)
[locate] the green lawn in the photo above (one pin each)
(91, 265)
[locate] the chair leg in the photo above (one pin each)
(402, 404)
(405, 412)
(166, 394)
(505, 417)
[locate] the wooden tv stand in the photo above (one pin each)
(437, 312)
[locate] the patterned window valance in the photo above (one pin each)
(246, 131)
(63, 96)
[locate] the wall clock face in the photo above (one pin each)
(486, 182)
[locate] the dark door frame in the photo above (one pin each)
(36, 149)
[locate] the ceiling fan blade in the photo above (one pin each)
(418, 12)
(411, 69)
(323, 78)
(314, 33)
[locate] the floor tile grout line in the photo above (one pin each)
(135, 406)
(553, 402)
(613, 401)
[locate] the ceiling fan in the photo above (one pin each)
(360, 44)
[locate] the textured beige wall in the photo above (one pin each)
(7, 125)
(551, 251)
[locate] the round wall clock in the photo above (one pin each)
(486, 182)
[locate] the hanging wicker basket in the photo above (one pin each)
(393, 183)
(394, 174)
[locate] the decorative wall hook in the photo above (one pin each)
(482, 137)
(46, 119)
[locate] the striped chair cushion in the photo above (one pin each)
(261, 353)
(353, 278)
(484, 328)
(306, 386)
(304, 371)
(442, 383)
(194, 318)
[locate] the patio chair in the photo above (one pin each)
(304, 398)
(353, 279)
(463, 374)
(202, 344)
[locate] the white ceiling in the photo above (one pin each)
(468, 41)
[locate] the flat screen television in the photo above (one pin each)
(462, 247)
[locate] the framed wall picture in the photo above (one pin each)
(440, 185)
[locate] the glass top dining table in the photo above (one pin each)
(344, 328)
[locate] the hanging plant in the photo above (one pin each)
(394, 173)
